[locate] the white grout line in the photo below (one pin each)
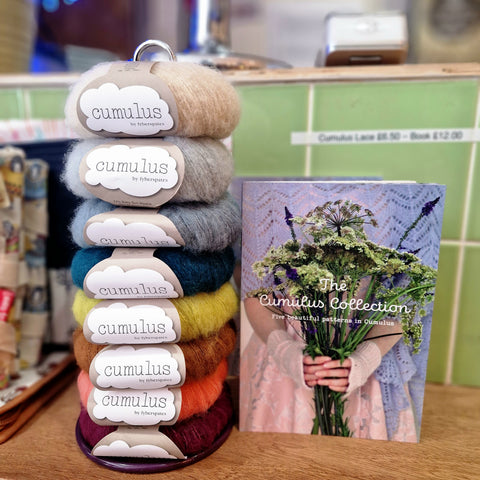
(458, 243)
(26, 101)
(308, 148)
(461, 252)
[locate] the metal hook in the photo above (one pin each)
(153, 43)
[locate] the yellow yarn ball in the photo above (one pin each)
(200, 315)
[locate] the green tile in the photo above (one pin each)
(444, 163)
(406, 104)
(47, 103)
(442, 313)
(473, 230)
(11, 104)
(467, 346)
(261, 141)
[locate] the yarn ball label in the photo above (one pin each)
(128, 227)
(132, 322)
(128, 101)
(134, 407)
(132, 174)
(132, 273)
(138, 442)
(138, 367)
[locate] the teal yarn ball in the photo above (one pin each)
(205, 227)
(200, 272)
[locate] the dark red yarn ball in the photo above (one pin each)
(191, 436)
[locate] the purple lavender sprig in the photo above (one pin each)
(427, 209)
(289, 222)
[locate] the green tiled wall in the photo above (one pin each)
(261, 146)
(11, 104)
(275, 112)
(473, 232)
(373, 105)
(46, 103)
(442, 321)
(465, 366)
(32, 103)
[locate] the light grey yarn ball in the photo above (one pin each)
(208, 167)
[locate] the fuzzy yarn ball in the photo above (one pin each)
(191, 436)
(205, 227)
(197, 397)
(208, 167)
(201, 272)
(200, 315)
(202, 356)
(207, 103)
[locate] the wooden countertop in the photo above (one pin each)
(45, 448)
(283, 75)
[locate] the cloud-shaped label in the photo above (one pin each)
(119, 323)
(115, 233)
(114, 282)
(119, 448)
(136, 171)
(138, 368)
(134, 407)
(135, 110)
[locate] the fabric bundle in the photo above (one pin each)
(155, 229)
(12, 285)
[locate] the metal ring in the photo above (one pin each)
(153, 43)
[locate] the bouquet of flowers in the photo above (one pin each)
(340, 285)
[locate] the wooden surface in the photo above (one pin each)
(357, 73)
(45, 448)
(289, 75)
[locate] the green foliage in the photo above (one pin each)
(332, 245)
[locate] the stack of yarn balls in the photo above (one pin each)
(155, 229)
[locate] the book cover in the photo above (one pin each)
(338, 283)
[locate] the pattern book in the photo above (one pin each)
(338, 284)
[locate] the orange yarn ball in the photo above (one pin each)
(197, 397)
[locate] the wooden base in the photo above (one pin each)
(449, 449)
